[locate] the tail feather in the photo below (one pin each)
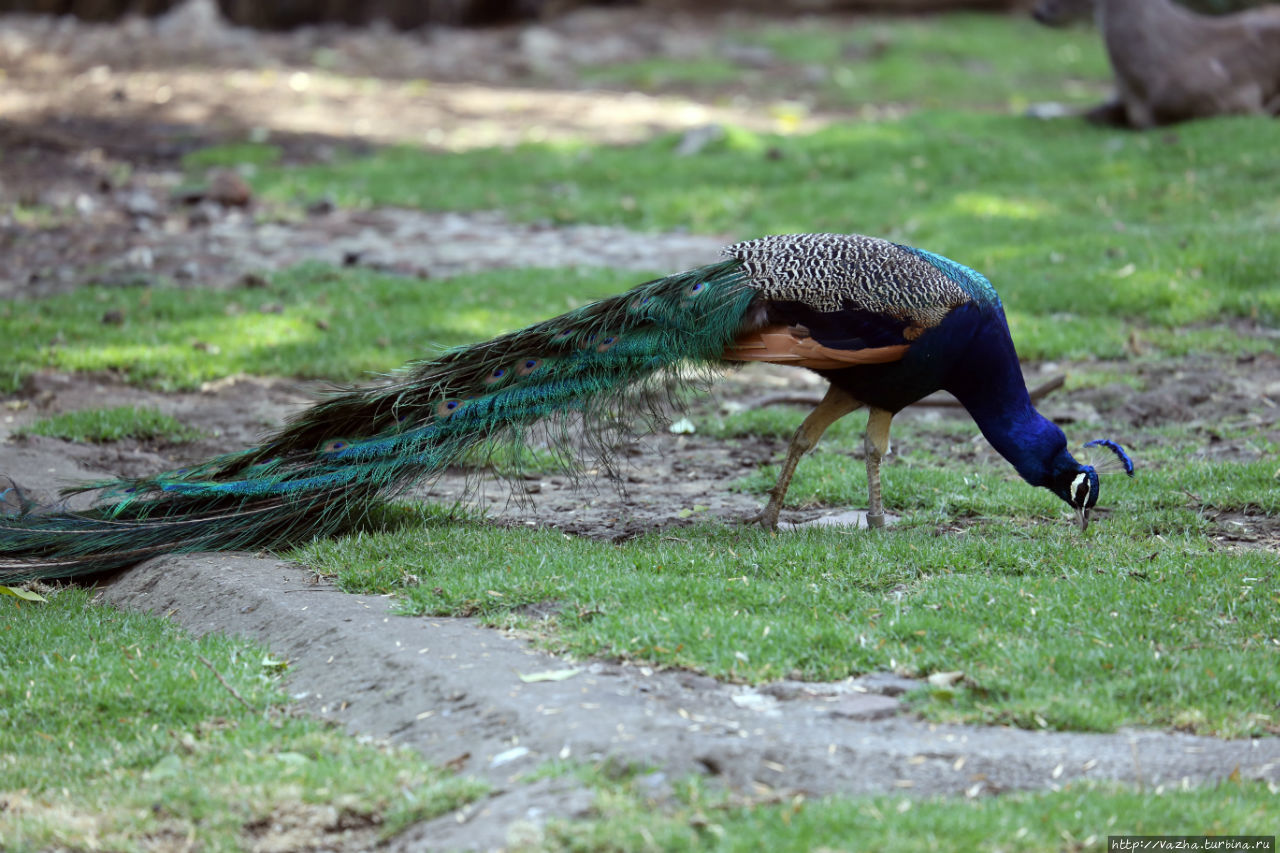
(615, 361)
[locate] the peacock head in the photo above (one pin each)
(1077, 484)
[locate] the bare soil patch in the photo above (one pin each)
(97, 214)
(440, 86)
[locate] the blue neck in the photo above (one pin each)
(986, 378)
(988, 382)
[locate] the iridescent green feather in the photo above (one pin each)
(615, 361)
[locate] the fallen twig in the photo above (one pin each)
(1047, 388)
(223, 682)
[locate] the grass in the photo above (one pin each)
(938, 62)
(968, 184)
(234, 154)
(310, 321)
(114, 734)
(113, 424)
(1090, 235)
(1077, 817)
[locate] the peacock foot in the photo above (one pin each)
(766, 518)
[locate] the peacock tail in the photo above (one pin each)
(609, 365)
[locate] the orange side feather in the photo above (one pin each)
(792, 345)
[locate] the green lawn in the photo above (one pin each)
(938, 62)
(1078, 817)
(100, 426)
(115, 733)
(1081, 230)
(310, 321)
(1087, 233)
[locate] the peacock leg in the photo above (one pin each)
(834, 406)
(877, 445)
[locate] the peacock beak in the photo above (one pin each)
(1082, 518)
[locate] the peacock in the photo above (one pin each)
(885, 324)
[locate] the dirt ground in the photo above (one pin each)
(95, 120)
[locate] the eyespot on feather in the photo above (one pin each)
(333, 445)
(528, 366)
(607, 344)
(496, 376)
(448, 407)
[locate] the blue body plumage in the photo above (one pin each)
(886, 324)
